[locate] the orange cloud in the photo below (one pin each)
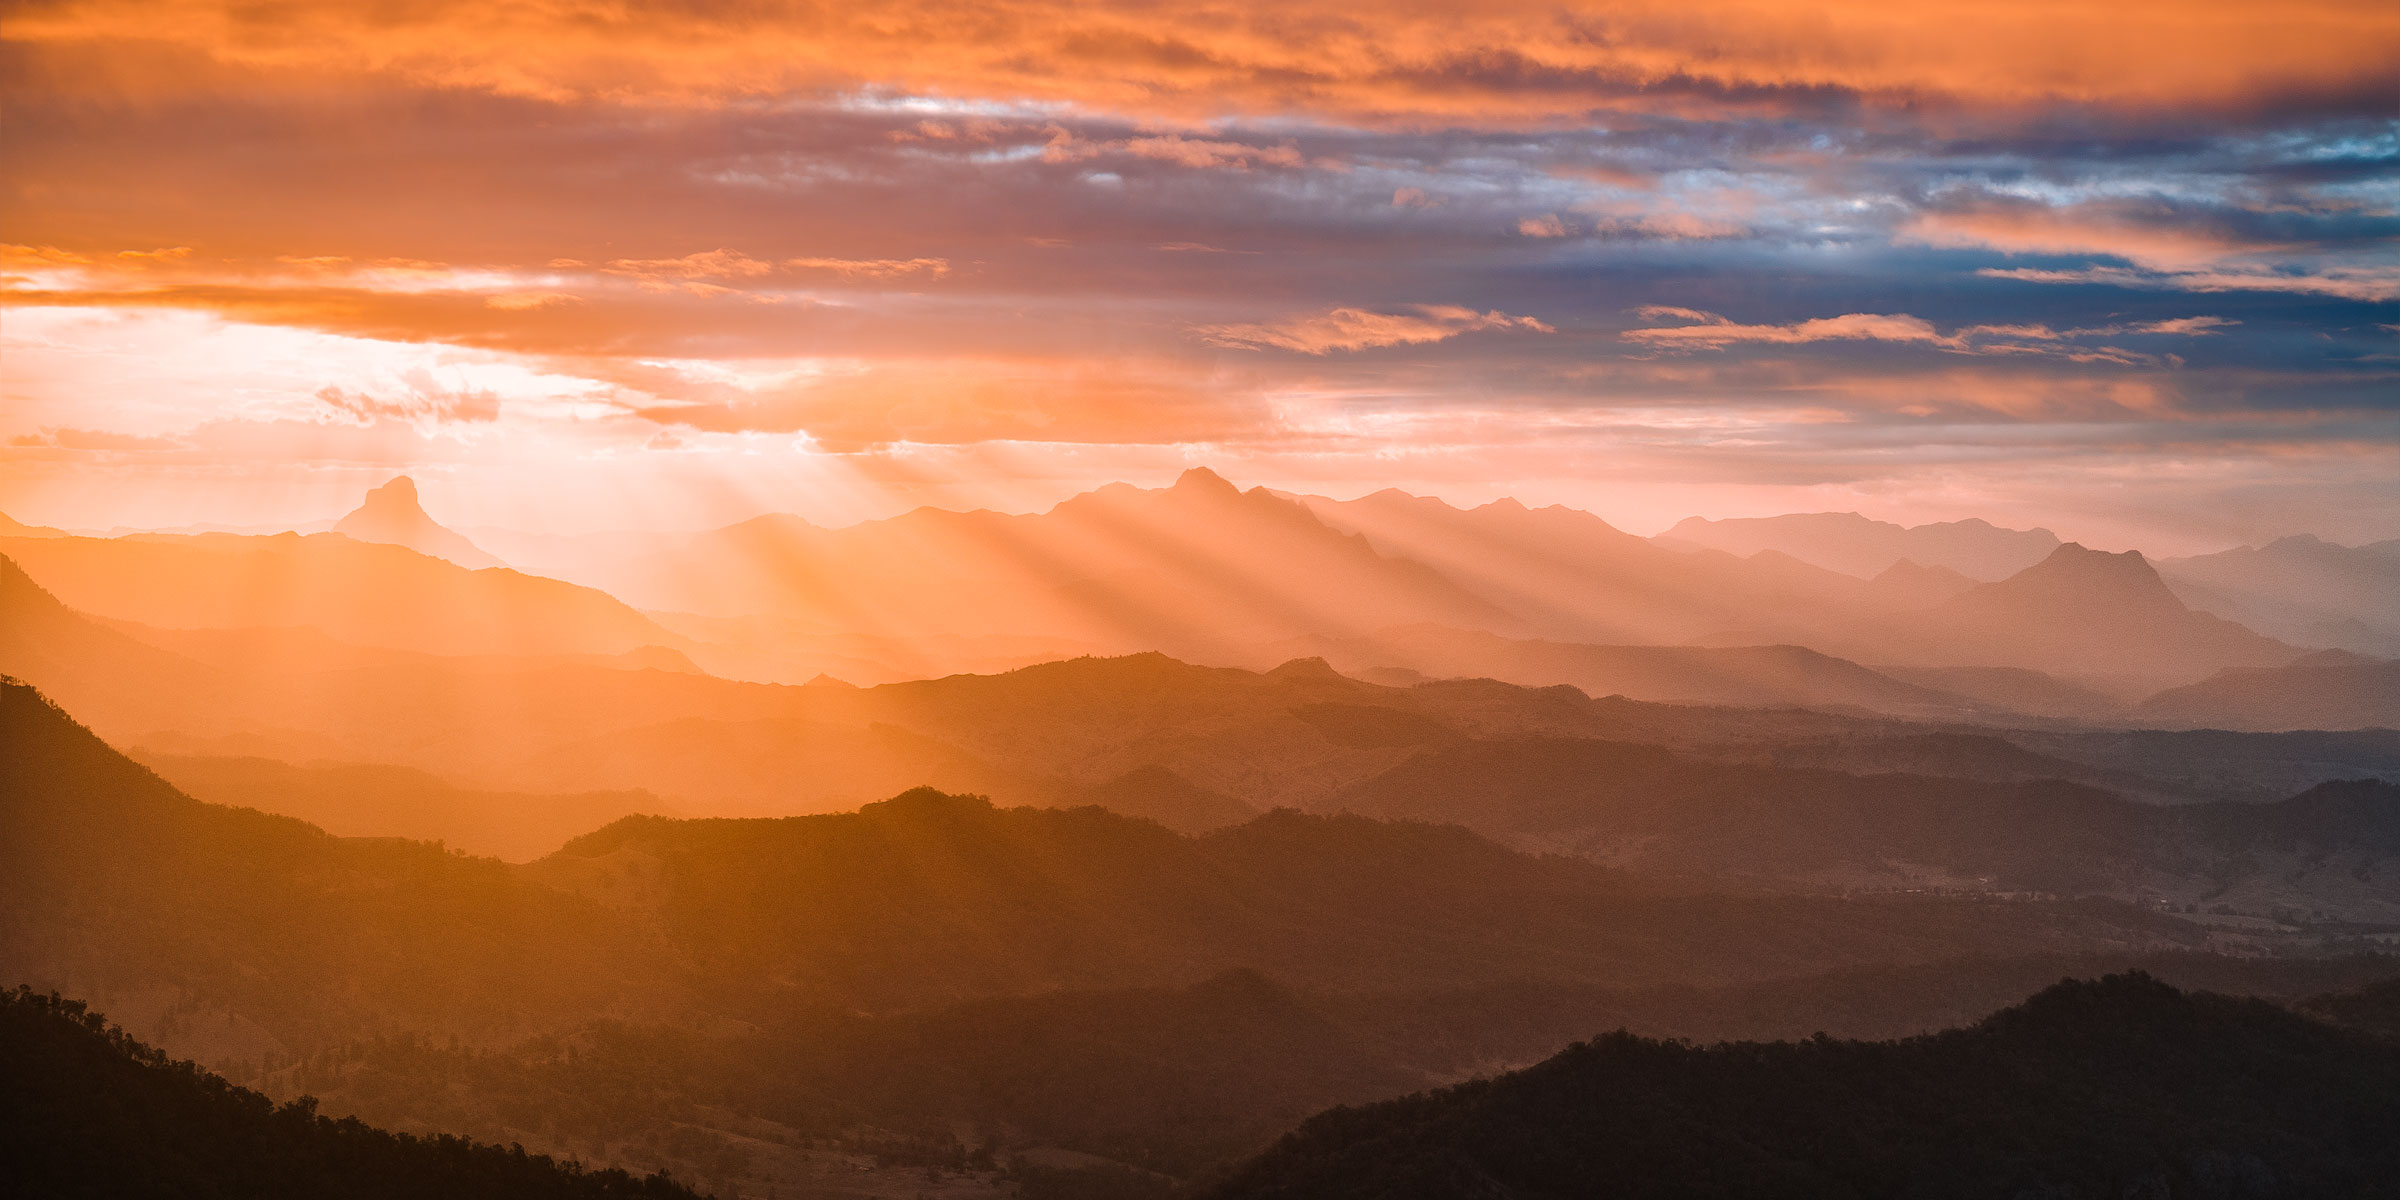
(1359, 329)
(873, 268)
(1709, 331)
(2153, 240)
(1715, 332)
(1517, 60)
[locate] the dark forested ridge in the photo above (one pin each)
(935, 983)
(2117, 1087)
(89, 1112)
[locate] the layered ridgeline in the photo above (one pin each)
(91, 1112)
(2117, 1087)
(117, 883)
(777, 1003)
(1204, 570)
(514, 755)
(684, 958)
(2331, 850)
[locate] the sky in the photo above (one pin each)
(2128, 270)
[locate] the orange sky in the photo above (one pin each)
(2125, 269)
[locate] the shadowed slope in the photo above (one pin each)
(90, 1112)
(1644, 809)
(2332, 689)
(2117, 1087)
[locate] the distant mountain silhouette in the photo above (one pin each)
(360, 592)
(1648, 811)
(1743, 676)
(91, 1112)
(2090, 614)
(391, 514)
(2116, 1087)
(2332, 689)
(1855, 545)
(1908, 585)
(11, 527)
(373, 800)
(1571, 576)
(2013, 689)
(1200, 563)
(2302, 589)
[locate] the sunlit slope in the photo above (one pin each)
(117, 886)
(1058, 733)
(1571, 576)
(91, 1112)
(370, 594)
(122, 684)
(2121, 1086)
(1197, 564)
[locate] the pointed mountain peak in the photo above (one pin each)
(391, 515)
(401, 490)
(2125, 580)
(1201, 480)
(1305, 668)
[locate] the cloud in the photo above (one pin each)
(1548, 225)
(1715, 332)
(873, 268)
(2153, 235)
(418, 401)
(1359, 329)
(707, 264)
(961, 402)
(1521, 61)
(1065, 146)
(2348, 283)
(1710, 331)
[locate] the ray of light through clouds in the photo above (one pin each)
(2126, 269)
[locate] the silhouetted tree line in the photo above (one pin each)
(89, 1111)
